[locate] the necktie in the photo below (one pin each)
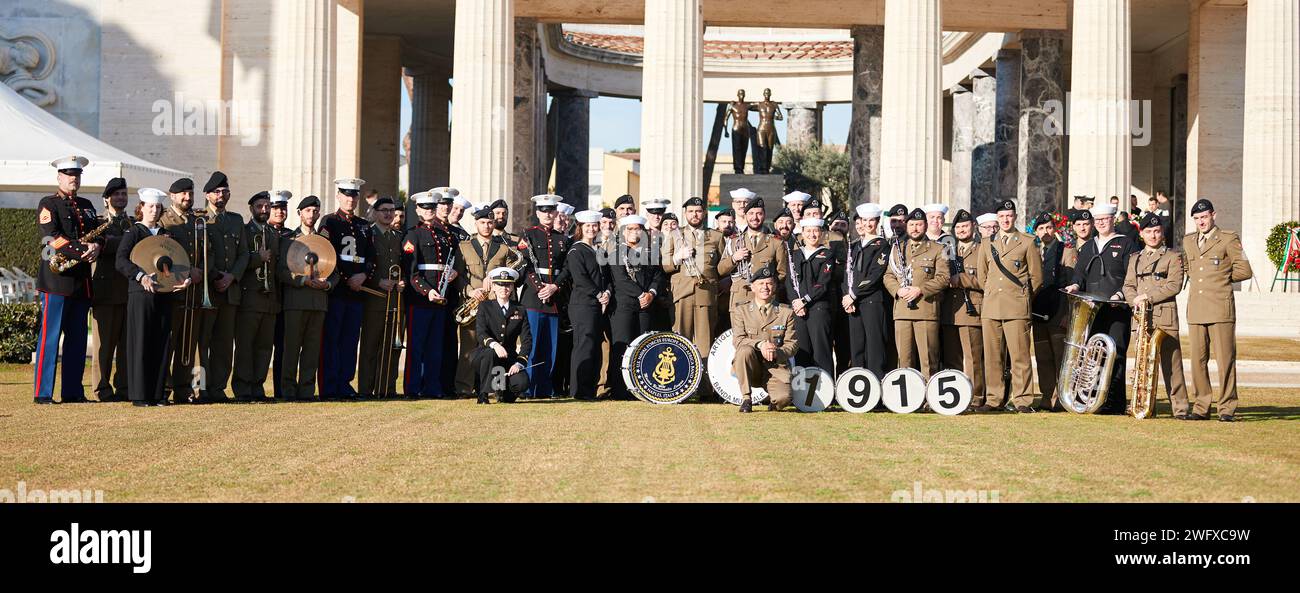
(1006, 239)
(765, 310)
(1200, 240)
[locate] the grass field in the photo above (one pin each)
(624, 451)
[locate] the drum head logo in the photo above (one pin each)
(663, 368)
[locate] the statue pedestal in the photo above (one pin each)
(769, 187)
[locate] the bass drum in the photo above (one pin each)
(721, 376)
(662, 368)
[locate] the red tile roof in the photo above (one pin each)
(724, 50)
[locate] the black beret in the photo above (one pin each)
(114, 184)
(1044, 218)
(962, 216)
(839, 216)
(1078, 215)
(262, 195)
(813, 205)
(1088, 199)
(624, 199)
(384, 201)
(763, 273)
(784, 213)
(917, 214)
(180, 185)
(308, 202)
(482, 213)
(1202, 205)
(693, 202)
(670, 216)
(608, 213)
(217, 180)
(897, 210)
(1150, 220)
(726, 212)
(499, 204)
(753, 203)
(1007, 205)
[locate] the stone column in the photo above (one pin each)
(803, 123)
(430, 154)
(381, 118)
(303, 131)
(1216, 83)
(983, 160)
(1006, 136)
(1270, 174)
(482, 157)
(864, 131)
(911, 102)
(1040, 168)
(1178, 169)
(963, 138)
(530, 176)
(672, 116)
(348, 41)
(1101, 87)
(572, 177)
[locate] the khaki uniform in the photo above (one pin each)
(961, 332)
(184, 377)
(695, 298)
(382, 318)
(304, 322)
(749, 327)
(1005, 315)
(916, 326)
(227, 253)
(1213, 265)
(259, 304)
(765, 250)
(473, 262)
(108, 289)
(1159, 275)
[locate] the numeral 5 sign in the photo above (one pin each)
(949, 392)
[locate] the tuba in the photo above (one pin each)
(1149, 338)
(1084, 381)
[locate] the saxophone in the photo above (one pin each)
(1086, 367)
(1149, 338)
(61, 263)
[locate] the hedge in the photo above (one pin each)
(20, 241)
(18, 332)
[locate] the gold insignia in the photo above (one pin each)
(46, 217)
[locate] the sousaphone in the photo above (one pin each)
(164, 259)
(311, 256)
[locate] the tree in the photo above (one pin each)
(813, 168)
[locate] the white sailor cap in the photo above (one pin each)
(806, 222)
(546, 201)
(869, 210)
(462, 202)
(280, 198)
(986, 218)
(423, 197)
(149, 195)
(565, 209)
(1102, 210)
(632, 219)
(503, 275)
(588, 216)
(70, 162)
(928, 208)
(742, 194)
(796, 197)
(349, 184)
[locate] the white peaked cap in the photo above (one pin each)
(546, 200)
(423, 197)
(70, 162)
(349, 183)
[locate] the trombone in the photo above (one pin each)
(189, 339)
(392, 328)
(262, 273)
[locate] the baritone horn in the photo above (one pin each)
(1084, 381)
(467, 313)
(1149, 338)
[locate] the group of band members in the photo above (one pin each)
(556, 305)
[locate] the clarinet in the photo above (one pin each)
(956, 268)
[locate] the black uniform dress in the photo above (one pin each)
(632, 272)
(816, 287)
(1102, 273)
(148, 324)
(587, 278)
(65, 298)
(350, 236)
(510, 329)
(546, 251)
(867, 324)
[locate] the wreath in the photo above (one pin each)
(1278, 241)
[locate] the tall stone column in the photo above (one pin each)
(1216, 83)
(1271, 159)
(381, 119)
(803, 123)
(1040, 168)
(1178, 169)
(963, 141)
(482, 156)
(672, 116)
(911, 102)
(864, 130)
(304, 66)
(429, 163)
(983, 159)
(1101, 87)
(572, 177)
(531, 176)
(1006, 136)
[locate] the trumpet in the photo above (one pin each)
(692, 266)
(392, 327)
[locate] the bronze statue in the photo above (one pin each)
(768, 114)
(738, 114)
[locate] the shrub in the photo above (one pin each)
(20, 241)
(18, 332)
(813, 168)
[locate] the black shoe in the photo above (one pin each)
(1180, 416)
(162, 402)
(984, 409)
(483, 398)
(1226, 418)
(1024, 410)
(746, 407)
(43, 401)
(76, 400)
(1197, 417)
(140, 404)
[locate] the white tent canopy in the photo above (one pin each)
(31, 137)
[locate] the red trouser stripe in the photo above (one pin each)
(40, 358)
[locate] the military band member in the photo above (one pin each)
(690, 259)
(382, 319)
(189, 317)
(739, 202)
(449, 208)
(504, 339)
(795, 202)
(1048, 312)
(279, 214)
(935, 218)
(635, 275)
(350, 236)
(305, 303)
(501, 218)
(477, 256)
(227, 258)
(608, 224)
(961, 326)
(624, 206)
(784, 225)
(896, 229)
(108, 310)
(811, 288)
(545, 250)
(590, 298)
(1103, 261)
(259, 305)
(1081, 228)
(865, 298)
(765, 340)
(749, 251)
(917, 275)
(987, 224)
(428, 251)
(1154, 278)
(670, 224)
(661, 310)
(1214, 262)
(1011, 268)
(608, 236)
(149, 309)
(564, 342)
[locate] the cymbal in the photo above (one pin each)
(151, 251)
(305, 247)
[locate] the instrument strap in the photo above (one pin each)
(1005, 272)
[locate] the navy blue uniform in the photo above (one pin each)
(350, 236)
(816, 286)
(1102, 272)
(427, 258)
(867, 333)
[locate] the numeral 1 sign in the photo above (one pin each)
(903, 390)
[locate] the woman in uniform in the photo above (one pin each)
(809, 290)
(589, 299)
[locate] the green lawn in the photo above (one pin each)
(626, 451)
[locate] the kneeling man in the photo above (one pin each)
(504, 339)
(763, 332)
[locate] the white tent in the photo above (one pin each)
(31, 137)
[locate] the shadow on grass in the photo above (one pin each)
(1264, 413)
